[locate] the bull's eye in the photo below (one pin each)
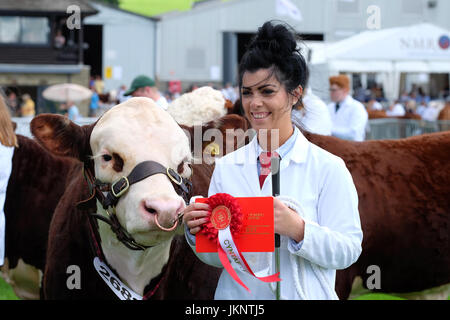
(106, 157)
(180, 168)
(118, 163)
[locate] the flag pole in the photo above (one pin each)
(275, 169)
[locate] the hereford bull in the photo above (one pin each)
(135, 134)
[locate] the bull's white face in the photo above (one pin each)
(132, 132)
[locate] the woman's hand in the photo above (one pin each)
(195, 215)
(287, 221)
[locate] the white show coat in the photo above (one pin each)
(350, 121)
(6, 154)
(321, 183)
(314, 117)
(397, 111)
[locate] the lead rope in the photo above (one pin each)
(299, 263)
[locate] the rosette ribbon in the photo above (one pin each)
(225, 223)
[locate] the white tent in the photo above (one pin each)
(421, 48)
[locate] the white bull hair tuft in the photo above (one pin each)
(202, 105)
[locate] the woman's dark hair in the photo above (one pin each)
(275, 47)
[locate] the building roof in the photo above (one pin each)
(44, 6)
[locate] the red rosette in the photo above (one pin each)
(217, 202)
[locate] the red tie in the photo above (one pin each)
(264, 159)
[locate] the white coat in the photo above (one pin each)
(314, 117)
(6, 154)
(350, 121)
(321, 183)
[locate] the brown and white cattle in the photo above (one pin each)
(199, 106)
(128, 134)
(404, 207)
(37, 182)
(403, 200)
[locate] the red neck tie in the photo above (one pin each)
(264, 160)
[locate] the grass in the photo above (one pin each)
(6, 292)
(378, 296)
(155, 7)
(358, 293)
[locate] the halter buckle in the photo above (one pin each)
(172, 175)
(122, 188)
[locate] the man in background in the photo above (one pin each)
(143, 86)
(348, 115)
(27, 109)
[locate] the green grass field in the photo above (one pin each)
(155, 7)
(6, 293)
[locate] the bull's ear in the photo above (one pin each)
(229, 106)
(61, 136)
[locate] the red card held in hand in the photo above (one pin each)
(257, 233)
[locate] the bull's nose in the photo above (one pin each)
(165, 210)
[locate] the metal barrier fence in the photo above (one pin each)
(23, 124)
(387, 128)
(377, 129)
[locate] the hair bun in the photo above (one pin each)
(274, 38)
(275, 46)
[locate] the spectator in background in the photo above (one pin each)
(8, 141)
(229, 92)
(431, 113)
(72, 111)
(192, 87)
(313, 116)
(93, 106)
(421, 96)
(91, 81)
(143, 86)
(121, 94)
(348, 115)
(13, 103)
(373, 104)
(404, 97)
(396, 110)
(27, 109)
(421, 109)
(99, 84)
(59, 40)
(410, 106)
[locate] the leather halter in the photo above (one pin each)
(108, 194)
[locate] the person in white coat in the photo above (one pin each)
(313, 116)
(349, 116)
(8, 141)
(316, 213)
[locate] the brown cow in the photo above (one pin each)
(403, 194)
(38, 179)
(381, 114)
(404, 206)
(444, 114)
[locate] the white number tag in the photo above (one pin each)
(120, 289)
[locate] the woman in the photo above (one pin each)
(8, 141)
(317, 212)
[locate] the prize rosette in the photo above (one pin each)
(223, 226)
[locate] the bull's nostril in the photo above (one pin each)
(150, 210)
